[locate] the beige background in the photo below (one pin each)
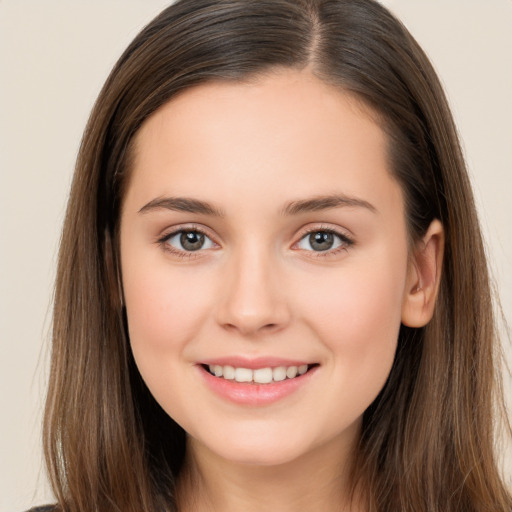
(54, 57)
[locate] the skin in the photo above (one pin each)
(258, 287)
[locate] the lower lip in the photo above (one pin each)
(253, 394)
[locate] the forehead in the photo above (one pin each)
(258, 106)
(285, 132)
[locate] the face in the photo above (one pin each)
(263, 238)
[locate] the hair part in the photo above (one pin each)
(427, 440)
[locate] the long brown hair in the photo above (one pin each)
(427, 440)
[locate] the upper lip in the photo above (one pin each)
(254, 363)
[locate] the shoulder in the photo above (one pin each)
(44, 508)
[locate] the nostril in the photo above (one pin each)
(248, 327)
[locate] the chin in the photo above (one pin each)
(263, 456)
(260, 447)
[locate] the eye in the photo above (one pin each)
(324, 240)
(187, 240)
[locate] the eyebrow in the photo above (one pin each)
(182, 204)
(317, 203)
(324, 203)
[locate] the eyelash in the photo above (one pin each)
(175, 252)
(346, 242)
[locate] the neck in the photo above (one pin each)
(318, 480)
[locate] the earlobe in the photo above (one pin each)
(424, 277)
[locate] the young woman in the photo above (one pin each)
(272, 290)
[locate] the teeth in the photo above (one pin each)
(291, 372)
(279, 373)
(229, 372)
(243, 375)
(260, 376)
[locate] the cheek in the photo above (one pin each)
(357, 315)
(165, 314)
(165, 310)
(360, 297)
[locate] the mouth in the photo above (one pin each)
(258, 382)
(266, 375)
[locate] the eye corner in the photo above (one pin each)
(164, 241)
(330, 234)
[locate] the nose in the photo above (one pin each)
(251, 300)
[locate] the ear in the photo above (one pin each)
(423, 277)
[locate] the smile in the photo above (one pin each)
(258, 376)
(266, 381)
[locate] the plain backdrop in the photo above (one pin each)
(54, 57)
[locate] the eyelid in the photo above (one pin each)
(346, 239)
(175, 230)
(344, 235)
(169, 232)
(341, 232)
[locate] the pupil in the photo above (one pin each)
(191, 240)
(321, 240)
